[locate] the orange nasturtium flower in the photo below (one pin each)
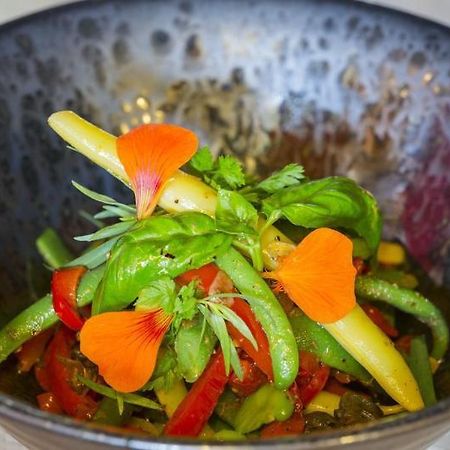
(125, 344)
(319, 276)
(151, 154)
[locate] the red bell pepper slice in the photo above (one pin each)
(252, 379)
(291, 427)
(64, 293)
(206, 276)
(197, 407)
(312, 377)
(60, 374)
(261, 356)
(377, 317)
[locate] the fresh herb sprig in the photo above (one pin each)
(185, 303)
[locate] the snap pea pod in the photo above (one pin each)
(263, 406)
(312, 337)
(410, 302)
(268, 311)
(40, 315)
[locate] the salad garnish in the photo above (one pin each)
(150, 154)
(319, 276)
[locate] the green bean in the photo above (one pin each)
(419, 363)
(268, 311)
(410, 302)
(52, 249)
(40, 315)
(312, 337)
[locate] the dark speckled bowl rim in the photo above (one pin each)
(25, 414)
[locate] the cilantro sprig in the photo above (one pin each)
(225, 172)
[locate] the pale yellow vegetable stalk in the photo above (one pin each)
(355, 332)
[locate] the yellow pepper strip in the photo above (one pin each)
(323, 402)
(376, 352)
(391, 253)
(355, 332)
(171, 398)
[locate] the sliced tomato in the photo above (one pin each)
(32, 350)
(312, 377)
(205, 276)
(64, 296)
(377, 317)
(48, 402)
(59, 377)
(197, 407)
(291, 427)
(252, 379)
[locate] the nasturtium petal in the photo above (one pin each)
(150, 155)
(318, 275)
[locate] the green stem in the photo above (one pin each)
(268, 311)
(419, 363)
(52, 249)
(410, 302)
(40, 315)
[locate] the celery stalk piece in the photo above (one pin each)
(355, 332)
(376, 352)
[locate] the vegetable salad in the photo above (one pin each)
(220, 305)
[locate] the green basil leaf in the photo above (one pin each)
(194, 345)
(234, 214)
(330, 202)
(160, 246)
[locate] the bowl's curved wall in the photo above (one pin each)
(341, 87)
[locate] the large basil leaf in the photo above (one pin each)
(234, 214)
(157, 247)
(237, 216)
(336, 202)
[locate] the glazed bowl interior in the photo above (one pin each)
(341, 87)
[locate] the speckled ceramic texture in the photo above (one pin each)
(342, 87)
